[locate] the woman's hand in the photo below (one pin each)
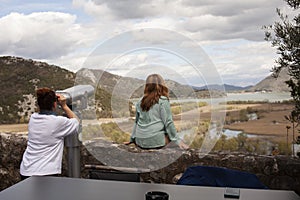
(182, 145)
(127, 143)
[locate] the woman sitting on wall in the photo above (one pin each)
(154, 127)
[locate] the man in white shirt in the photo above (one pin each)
(46, 133)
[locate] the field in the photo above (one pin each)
(271, 120)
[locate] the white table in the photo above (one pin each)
(56, 188)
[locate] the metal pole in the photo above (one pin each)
(73, 152)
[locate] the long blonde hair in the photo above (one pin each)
(154, 88)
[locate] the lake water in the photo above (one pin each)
(253, 96)
(249, 96)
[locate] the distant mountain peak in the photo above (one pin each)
(273, 84)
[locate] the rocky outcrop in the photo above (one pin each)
(11, 149)
(276, 172)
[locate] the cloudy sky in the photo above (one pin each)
(66, 33)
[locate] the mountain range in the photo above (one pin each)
(20, 77)
(226, 87)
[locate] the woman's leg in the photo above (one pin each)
(167, 140)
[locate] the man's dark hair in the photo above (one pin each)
(45, 98)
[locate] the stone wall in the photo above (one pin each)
(276, 172)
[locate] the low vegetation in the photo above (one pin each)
(107, 131)
(178, 108)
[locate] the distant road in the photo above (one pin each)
(15, 128)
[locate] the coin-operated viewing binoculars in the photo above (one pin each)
(77, 100)
(77, 96)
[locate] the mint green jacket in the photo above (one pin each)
(151, 127)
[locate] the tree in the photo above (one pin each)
(285, 36)
(293, 120)
(242, 139)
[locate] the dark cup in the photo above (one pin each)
(157, 195)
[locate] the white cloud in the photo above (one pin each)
(208, 20)
(242, 62)
(94, 10)
(39, 35)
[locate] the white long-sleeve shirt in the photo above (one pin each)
(43, 155)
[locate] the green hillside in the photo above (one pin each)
(18, 80)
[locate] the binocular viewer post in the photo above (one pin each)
(77, 100)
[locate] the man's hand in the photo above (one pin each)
(62, 101)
